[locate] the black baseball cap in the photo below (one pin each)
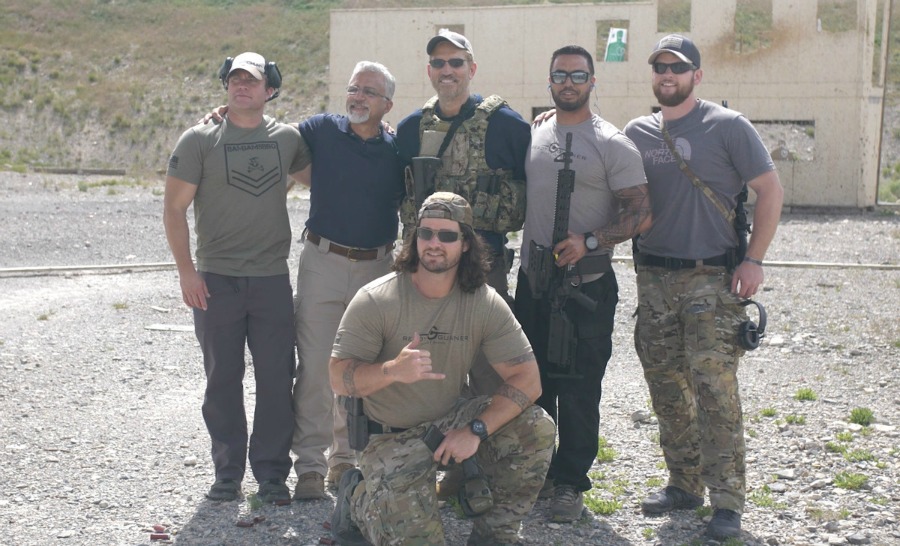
(678, 45)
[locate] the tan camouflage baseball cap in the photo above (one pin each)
(444, 204)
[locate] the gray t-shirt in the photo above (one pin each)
(381, 319)
(240, 208)
(723, 150)
(604, 161)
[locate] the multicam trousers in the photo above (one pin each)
(398, 504)
(686, 339)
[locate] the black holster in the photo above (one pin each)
(357, 423)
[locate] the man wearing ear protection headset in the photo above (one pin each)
(356, 185)
(235, 175)
(689, 286)
(608, 205)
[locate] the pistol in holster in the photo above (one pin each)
(474, 496)
(357, 423)
(540, 269)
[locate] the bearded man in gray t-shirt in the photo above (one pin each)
(689, 286)
(608, 205)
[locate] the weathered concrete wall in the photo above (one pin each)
(806, 74)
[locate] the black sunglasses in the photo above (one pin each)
(677, 68)
(444, 236)
(577, 76)
(439, 63)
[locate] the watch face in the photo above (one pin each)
(590, 242)
(479, 429)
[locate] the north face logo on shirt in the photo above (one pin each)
(254, 167)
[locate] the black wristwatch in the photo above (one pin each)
(590, 241)
(479, 429)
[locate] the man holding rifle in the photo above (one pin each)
(567, 293)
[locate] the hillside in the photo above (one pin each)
(112, 83)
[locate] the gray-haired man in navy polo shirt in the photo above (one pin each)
(356, 186)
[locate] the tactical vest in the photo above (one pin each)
(497, 201)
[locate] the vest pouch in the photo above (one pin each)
(484, 210)
(511, 209)
(408, 210)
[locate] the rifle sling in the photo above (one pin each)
(727, 214)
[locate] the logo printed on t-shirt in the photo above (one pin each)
(436, 336)
(663, 154)
(253, 167)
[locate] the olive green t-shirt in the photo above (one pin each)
(240, 208)
(381, 319)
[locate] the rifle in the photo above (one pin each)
(544, 276)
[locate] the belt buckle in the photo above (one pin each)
(350, 251)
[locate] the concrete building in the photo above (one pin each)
(811, 78)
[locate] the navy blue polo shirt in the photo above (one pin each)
(505, 145)
(357, 184)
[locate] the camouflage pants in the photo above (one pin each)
(686, 339)
(396, 503)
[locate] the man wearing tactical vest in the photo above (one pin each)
(480, 146)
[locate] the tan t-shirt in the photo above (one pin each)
(381, 319)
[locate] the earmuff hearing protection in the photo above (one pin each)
(749, 333)
(273, 75)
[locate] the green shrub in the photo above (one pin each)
(862, 416)
(805, 394)
(850, 480)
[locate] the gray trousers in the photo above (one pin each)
(258, 312)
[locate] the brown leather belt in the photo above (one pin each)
(352, 254)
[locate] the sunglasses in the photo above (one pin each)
(444, 236)
(578, 76)
(367, 91)
(439, 63)
(677, 68)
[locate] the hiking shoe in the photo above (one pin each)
(224, 490)
(567, 504)
(670, 498)
(343, 530)
(450, 483)
(274, 491)
(724, 524)
(547, 490)
(333, 478)
(310, 485)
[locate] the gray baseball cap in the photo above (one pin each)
(447, 35)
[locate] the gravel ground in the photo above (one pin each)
(101, 385)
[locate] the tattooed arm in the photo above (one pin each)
(352, 377)
(521, 387)
(633, 218)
